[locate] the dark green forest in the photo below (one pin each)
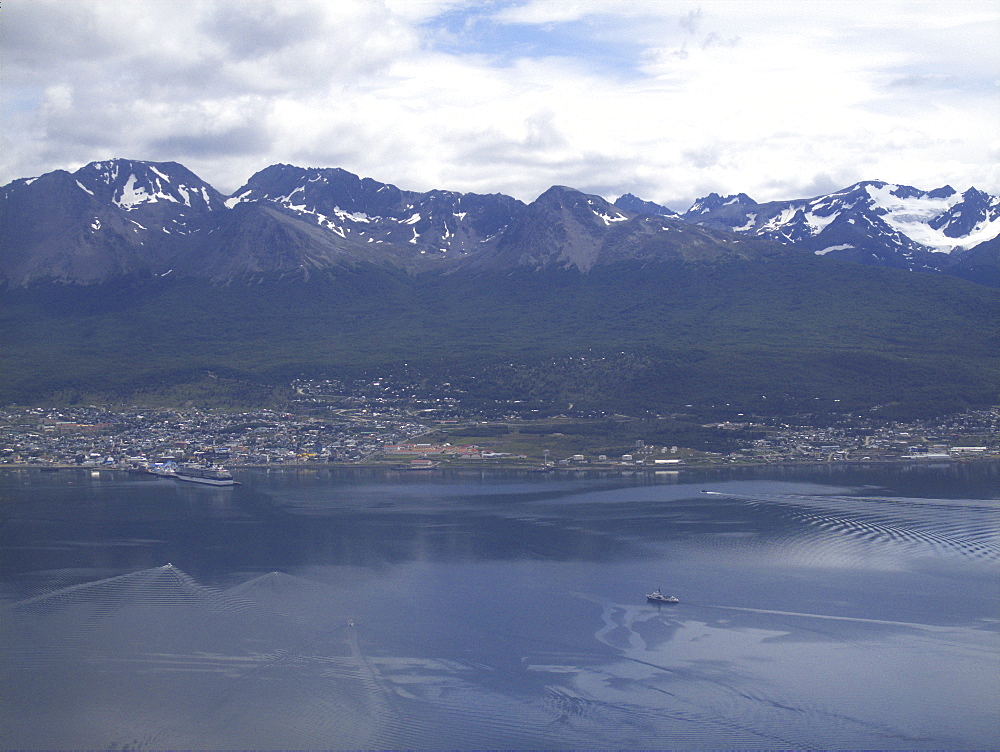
(634, 339)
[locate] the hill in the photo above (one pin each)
(779, 334)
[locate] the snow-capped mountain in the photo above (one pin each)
(126, 217)
(631, 203)
(363, 210)
(129, 217)
(136, 186)
(107, 218)
(871, 222)
(567, 228)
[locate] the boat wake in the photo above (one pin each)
(187, 666)
(963, 528)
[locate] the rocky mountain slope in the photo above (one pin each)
(871, 222)
(106, 219)
(124, 217)
(564, 228)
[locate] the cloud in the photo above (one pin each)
(691, 20)
(666, 100)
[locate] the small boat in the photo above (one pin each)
(163, 469)
(657, 597)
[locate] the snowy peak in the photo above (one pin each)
(636, 205)
(129, 184)
(319, 191)
(585, 207)
(734, 213)
(871, 222)
(941, 220)
(364, 210)
(107, 219)
(714, 202)
(973, 216)
(132, 217)
(565, 228)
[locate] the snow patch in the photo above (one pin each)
(353, 216)
(983, 231)
(82, 187)
(412, 220)
(609, 219)
(786, 216)
(323, 220)
(132, 195)
(910, 216)
(817, 223)
(842, 247)
(751, 218)
(288, 199)
(233, 200)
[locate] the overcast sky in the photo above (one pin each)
(667, 100)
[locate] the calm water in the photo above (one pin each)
(819, 608)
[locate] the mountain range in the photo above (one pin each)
(135, 281)
(871, 222)
(125, 217)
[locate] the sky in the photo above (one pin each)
(668, 100)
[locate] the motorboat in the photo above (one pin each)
(657, 597)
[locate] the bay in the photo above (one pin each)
(826, 607)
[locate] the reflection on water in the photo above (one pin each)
(374, 610)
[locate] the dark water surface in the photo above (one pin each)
(820, 608)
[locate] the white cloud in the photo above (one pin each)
(666, 100)
(553, 12)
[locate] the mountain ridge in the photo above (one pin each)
(119, 217)
(871, 222)
(130, 278)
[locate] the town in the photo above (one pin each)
(378, 426)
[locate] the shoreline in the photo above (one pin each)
(535, 468)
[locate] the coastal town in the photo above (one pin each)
(93, 436)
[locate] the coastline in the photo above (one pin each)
(536, 468)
